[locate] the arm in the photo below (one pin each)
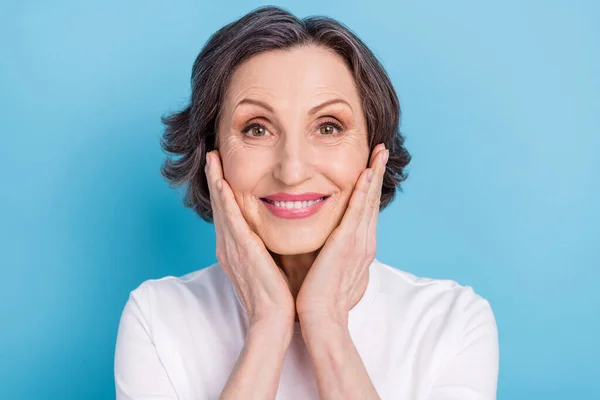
(139, 373)
(258, 369)
(339, 370)
(334, 284)
(472, 373)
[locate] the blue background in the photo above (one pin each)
(501, 111)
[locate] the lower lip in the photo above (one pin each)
(294, 212)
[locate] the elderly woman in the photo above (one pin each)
(290, 145)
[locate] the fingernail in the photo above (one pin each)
(207, 160)
(370, 175)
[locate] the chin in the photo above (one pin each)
(291, 242)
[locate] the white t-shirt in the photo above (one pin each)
(419, 339)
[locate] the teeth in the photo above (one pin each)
(296, 204)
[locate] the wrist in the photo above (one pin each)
(273, 329)
(316, 318)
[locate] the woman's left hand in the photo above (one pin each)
(334, 283)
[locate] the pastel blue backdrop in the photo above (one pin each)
(501, 111)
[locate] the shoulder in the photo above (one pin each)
(450, 326)
(454, 306)
(176, 295)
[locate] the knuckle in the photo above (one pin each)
(374, 202)
(244, 243)
(363, 188)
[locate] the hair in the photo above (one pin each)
(191, 132)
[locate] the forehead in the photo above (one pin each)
(293, 77)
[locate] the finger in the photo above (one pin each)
(368, 222)
(356, 205)
(379, 152)
(228, 209)
(215, 201)
(374, 195)
(376, 150)
(213, 172)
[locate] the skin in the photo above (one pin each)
(324, 258)
(290, 154)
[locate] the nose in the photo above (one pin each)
(292, 160)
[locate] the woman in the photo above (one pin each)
(290, 145)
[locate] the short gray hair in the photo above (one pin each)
(191, 132)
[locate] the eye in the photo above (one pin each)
(326, 128)
(257, 130)
(329, 131)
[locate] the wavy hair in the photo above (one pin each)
(190, 133)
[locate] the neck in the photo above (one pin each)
(295, 267)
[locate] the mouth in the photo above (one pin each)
(294, 209)
(288, 205)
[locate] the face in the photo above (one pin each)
(273, 138)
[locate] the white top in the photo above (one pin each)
(419, 338)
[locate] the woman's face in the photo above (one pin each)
(289, 149)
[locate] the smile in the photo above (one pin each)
(294, 209)
(294, 204)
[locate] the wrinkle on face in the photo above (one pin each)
(293, 156)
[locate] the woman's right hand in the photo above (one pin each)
(261, 285)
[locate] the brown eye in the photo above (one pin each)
(326, 129)
(329, 128)
(256, 130)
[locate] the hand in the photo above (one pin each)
(333, 283)
(261, 285)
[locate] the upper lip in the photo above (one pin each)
(295, 197)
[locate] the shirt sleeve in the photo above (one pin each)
(472, 372)
(139, 373)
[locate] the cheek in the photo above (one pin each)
(242, 170)
(343, 168)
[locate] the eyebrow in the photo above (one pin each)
(310, 112)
